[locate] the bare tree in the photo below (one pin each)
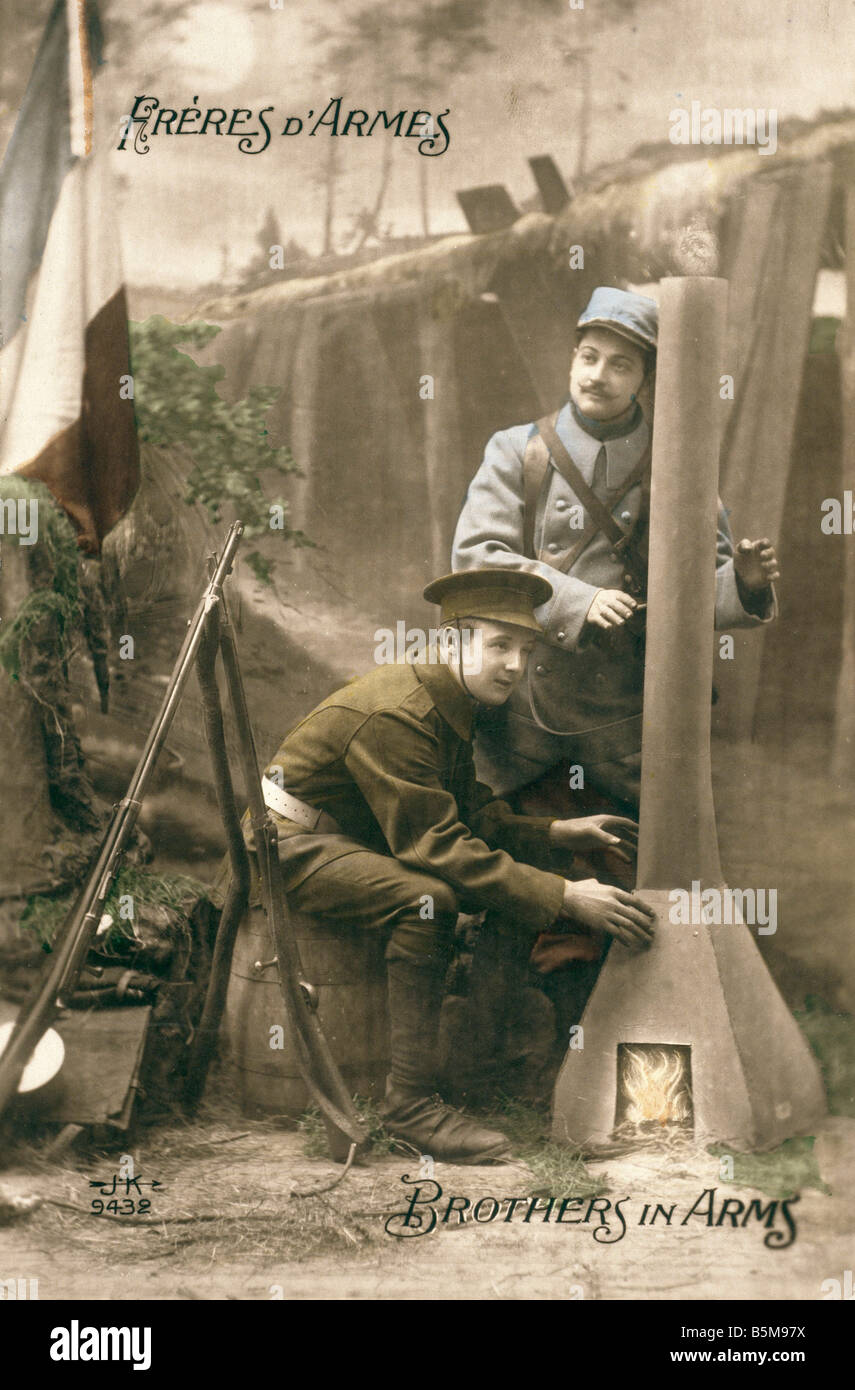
(417, 44)
(370, 39)
(448, 35)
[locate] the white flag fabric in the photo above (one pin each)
(66, 408)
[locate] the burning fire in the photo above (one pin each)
(654, 1083)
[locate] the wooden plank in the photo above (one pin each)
(410, 358)
(488, 209)
(550, 185)
(757, 468)
(843, 758)
(446, 470)
(753, 259)
(540, 322)
(754, 215)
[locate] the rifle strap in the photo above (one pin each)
(535, 469)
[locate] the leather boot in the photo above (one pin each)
(411, 1109)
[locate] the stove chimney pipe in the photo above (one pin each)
(702, 985)
(678, 842)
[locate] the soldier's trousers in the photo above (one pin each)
(512, 753)
(363, 889)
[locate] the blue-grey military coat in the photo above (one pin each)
(593, 694)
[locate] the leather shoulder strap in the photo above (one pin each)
(599, 513)
(544, 444)
(535, 468)
(569, 558)
(596, 509)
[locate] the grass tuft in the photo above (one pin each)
(832, 1037)
(311, 1126)
(44, 914)
(557, 1171)
(781, 1173)
(793, 1165)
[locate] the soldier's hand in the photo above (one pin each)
(597, 832)
(599, 905)
(610, 608)
(756, 564)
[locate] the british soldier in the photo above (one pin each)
(382, 824)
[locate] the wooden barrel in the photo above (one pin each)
(347, 968)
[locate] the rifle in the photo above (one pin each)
(204, 635)
(346, 1133)
(79, 928)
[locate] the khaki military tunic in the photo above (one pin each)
(389, 757)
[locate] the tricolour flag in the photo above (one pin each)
(66, 418)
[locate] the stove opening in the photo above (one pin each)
(654, 1090)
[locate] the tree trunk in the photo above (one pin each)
(423, 196)
(371, 227)
(329, 182)
(585, 116)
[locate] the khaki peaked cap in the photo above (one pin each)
(502, 596)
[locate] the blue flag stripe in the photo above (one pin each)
(36, 162)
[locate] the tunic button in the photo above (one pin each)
(552, 547)
(626, 516)
(615, 558)
(541, 670)
(561, 505)
(562, 636)
(627, 579)
(599, 677)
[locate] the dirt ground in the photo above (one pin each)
(224, 1225)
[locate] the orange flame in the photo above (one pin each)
(655, 1086)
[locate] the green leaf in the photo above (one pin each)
(176, 401)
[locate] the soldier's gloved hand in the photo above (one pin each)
(610, 608)
(613, 910)
(596, 832)
(756, 564)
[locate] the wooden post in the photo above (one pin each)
(843, 762)
(756, 461)
(442, 446)
(747, 260)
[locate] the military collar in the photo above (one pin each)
(456, 707)
(608, 429)
(622, 454)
